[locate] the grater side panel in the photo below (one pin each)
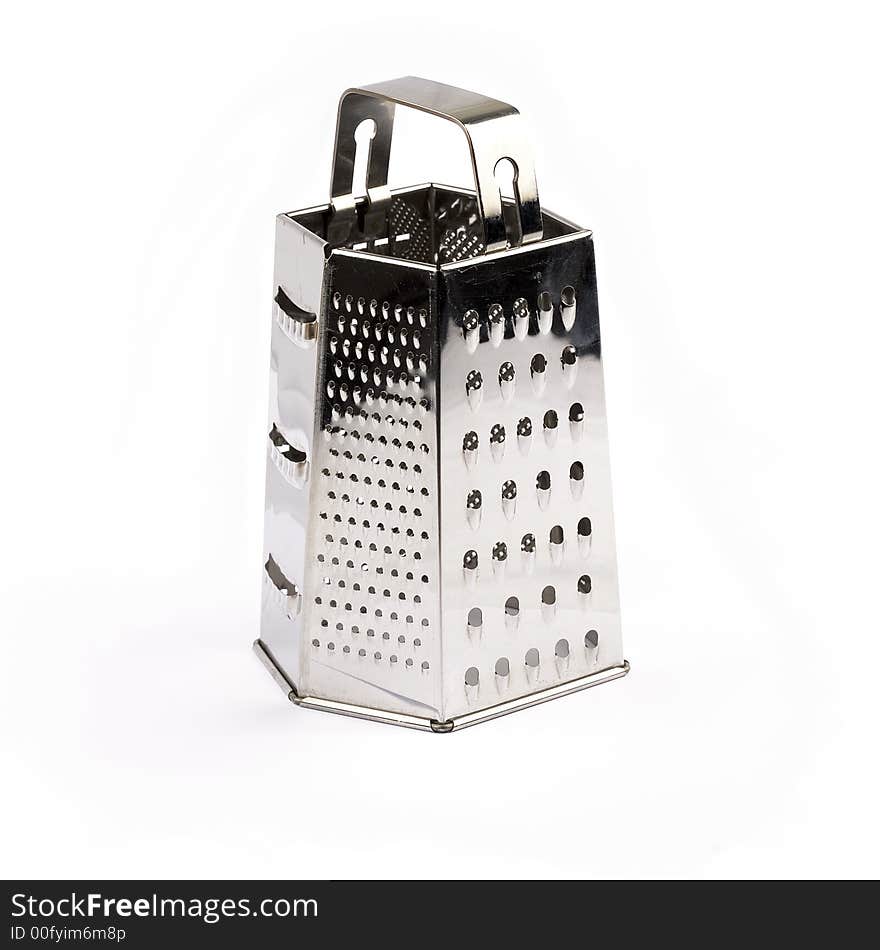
(529, 590)
(297, 294)
(371, 578)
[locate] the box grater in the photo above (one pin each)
(439, 544)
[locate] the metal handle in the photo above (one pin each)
(494, 132)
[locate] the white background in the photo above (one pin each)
(726, 157)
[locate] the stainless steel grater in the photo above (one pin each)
(439, 543)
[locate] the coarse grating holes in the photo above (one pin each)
(474, 388)
(567, 307)
(569, 365)
(496, 442)
(507, 380)
(548, 603)
(502, 667)
(591, 640)
(496, 324)
(520, 318)
(542, 487)
(551, 427)
(557, 544)
(474, 508)
(545, 313)
(538, 367)
(532, 658)
(470, 561)
(470, 328)
(585, 536)
(524, 435)
(511, 612)
(469, 446)
(474, 621)
(499, 557)
(508, 499)
(576, 479)
(472, 676)
(527, 549)
(585, 585)
(562, 649)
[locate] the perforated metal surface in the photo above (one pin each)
(439, 543)
(371, 568)
(529, 576)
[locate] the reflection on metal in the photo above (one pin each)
(416, 332)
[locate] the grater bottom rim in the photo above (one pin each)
(423, 723)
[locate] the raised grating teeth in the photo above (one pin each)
(470, 328)
(568, 307)
(520, 318)
(496, 324)
(545, 313)
(538, 368)
(496, 442)
(508, 499)
(569, 365)
(576, 480)
(474, 389)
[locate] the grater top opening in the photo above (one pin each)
(426, 224)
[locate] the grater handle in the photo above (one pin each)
(494, 131)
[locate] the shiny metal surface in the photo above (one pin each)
(439, 540)
(493, 130)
